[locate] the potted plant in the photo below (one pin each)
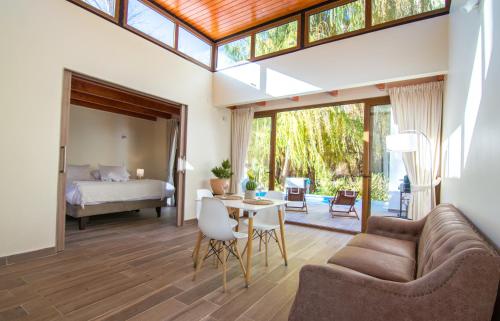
(223, 173)
(251, 186)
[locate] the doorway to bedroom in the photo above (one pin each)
(120, 153)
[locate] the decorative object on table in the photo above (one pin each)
(251, 186)
(229, 197)
(223, 173)
(258, 201)
(140, 173)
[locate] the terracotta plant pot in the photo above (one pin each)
(218, 184)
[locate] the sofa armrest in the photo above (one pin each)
(395, 228)
(463, 288)
(332, 292)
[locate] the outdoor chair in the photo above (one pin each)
(344, 203)
(295, 188)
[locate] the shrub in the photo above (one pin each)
(223, 171)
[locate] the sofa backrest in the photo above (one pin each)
(446, 233)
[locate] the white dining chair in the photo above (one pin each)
(215, 224)
(265, 224)
(200, 194)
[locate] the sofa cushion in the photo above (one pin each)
(375, 263)
(384, 244)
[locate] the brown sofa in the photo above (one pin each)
(438, 268)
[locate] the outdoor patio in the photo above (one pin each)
(319, 215)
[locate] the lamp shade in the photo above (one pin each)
(404, 143)
(140, 172)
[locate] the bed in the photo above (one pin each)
(94, 197)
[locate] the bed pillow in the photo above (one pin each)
(78, 173)
(113, 173)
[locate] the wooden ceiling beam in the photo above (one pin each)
(333, 93)
(294, 98)
(101, 90)
(118, 104)
(110, 109)
(261, 103)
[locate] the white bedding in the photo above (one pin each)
(98, 192)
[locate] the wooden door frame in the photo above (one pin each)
(369, 103)
(63, 143)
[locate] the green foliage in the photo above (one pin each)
(388, 10)
(251, 185)
(339, 20)
(233, 52)
(223, 171)
(321, 144)
(336, 21)
(258, 151)
(276, 39)
(379, 186)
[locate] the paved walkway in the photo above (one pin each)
(319, 214)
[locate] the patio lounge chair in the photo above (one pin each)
(344, 202)
(296, 192)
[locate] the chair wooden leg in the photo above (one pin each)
(200, 259)
(218, 248)
(196, 249)
(282, 232)
(260, 241)
(265, 245)
(224, 257)
(279, 244)
(240, 260)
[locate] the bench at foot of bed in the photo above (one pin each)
(83, 214)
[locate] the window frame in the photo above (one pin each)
(177, 23)
(229, 40)
(194, 33)
(86, 6)
(251, 33)
(368, 21)
(273, 25)
(329, 6)
(142, 33)
(408, 19)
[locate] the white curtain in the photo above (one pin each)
(172, 133)
(420, 107)
(241, 127)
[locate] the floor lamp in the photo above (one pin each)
(407, 142)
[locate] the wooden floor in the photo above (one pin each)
(134, 266)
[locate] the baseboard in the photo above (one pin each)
(26, 256)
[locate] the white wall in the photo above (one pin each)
(471, 127)
(39, 40)
(413, 50)
(98, 137)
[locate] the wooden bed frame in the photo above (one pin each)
(83, 214)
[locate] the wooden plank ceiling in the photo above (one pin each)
(220, 18)
(91, 94)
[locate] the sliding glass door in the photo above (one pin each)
(259, 152)
(337, 153)
(389, 187)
